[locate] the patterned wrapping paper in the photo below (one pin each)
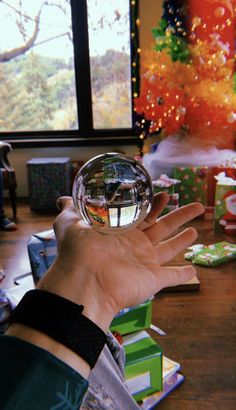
(48, 178)
(225, 209)
(5, 310)
(167, 184)
(212, 172)
(211, 255)
(193, 186)
(42, 250)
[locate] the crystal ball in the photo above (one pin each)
(112, 192)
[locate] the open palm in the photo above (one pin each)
(124, 269)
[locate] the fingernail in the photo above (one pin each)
(59, 204)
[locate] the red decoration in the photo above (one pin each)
(198, 96)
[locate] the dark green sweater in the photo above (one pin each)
(33, 379)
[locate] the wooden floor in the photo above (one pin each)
(200, 325)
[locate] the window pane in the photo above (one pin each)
(113, 216)
(127, 215)
(37, 86)
(109, 47)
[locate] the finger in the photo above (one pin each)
(64, 202)
(160, 200)
(67, 217)
(168, 224)
(167, 250)
(175, 275)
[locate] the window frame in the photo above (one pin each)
(86, 135)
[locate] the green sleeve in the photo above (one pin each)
(33, 379)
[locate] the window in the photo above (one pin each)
(67, 69)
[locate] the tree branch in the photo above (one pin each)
(8, 55)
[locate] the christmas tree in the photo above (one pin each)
(188, 86)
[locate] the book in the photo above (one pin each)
(169, 368)
(171, 379)
(170, 384)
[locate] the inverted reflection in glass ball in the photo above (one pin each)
(112, 192)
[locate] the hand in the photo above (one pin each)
(107, 272)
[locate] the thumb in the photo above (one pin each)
(65, 202)
(66, 218)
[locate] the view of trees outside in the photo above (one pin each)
(37, 81)
(37, 78)
(109, 46)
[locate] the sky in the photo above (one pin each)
(55, 22)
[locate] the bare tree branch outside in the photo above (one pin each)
(37, 74)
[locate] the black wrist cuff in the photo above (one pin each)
(62, 320)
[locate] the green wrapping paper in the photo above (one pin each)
(193, 185)
(133, 319)
(143, 366)
(211, 255)
(167, 184)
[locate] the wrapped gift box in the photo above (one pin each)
(167, 184)
(225, 208)
(143, 366)
(48, 178)
(5, 310)
(229, 172)
(42, 250)
(133, 319)
(193, 185)
(211, 255)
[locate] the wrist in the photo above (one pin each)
(61, 320)
(45, 342)
(70, 285)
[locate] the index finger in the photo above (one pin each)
(160, 200)
(169, 223)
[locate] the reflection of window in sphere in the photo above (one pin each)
(112, 192)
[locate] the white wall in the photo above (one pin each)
(18, 158)
(150, 12)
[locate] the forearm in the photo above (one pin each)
(45, 342)
(34, 379)
(53, 352)
(80, 294)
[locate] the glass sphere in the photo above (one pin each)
(112, 192)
